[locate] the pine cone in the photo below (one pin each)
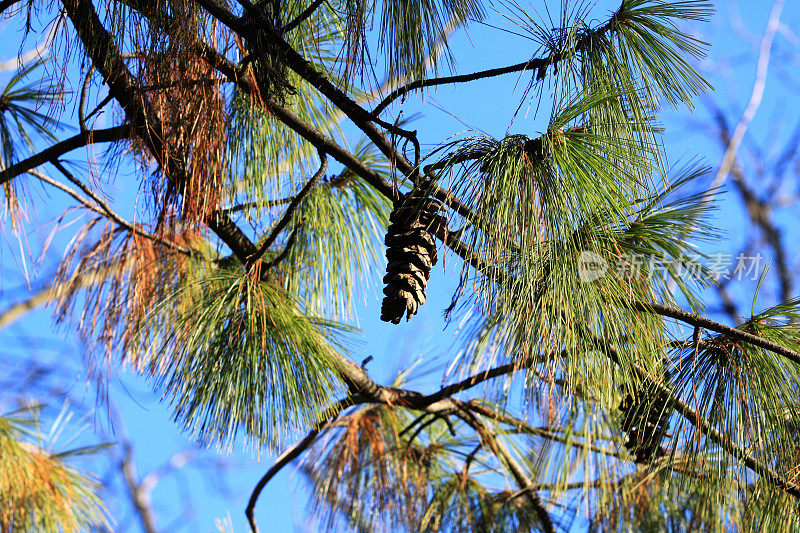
(410, 255)
(645, 420)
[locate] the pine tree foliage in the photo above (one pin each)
(21, 121)
(580, 392)
(39, 489)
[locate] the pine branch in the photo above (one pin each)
(102, 208)
(292, 453)
(144, 123)
(356, 377)
(295, 203)
(697, 420)
(681, 407)
(55, 151)
(299, 19)
(514, 467)
(105, 55)
(357, 114)
(310, 133)
(538, 64)
(703, 322)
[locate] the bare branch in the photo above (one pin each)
(84, 138)
(307, 12)
(295, 203)
(286, 249)
(102, 208)
(760, 213)
(734, 333)
(291, 454)
(755, 100)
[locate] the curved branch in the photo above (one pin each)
(82, 101)
(292, 453)
(460, 78)
(140, 497)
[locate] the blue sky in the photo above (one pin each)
(486, 105)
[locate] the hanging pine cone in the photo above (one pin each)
(645, 418)
(410, 255)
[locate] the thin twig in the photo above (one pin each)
(759, 212)
(476, 379)
(307, 12)
(82, 101)
(286, 249)
(140, 498)
(250, 205)
(290, 454)
(468, 462)
(5, 4)
(531, 64)
(102, 208)
(99, 106)
(752, 106)
(293, 205)
(421, 428)
(517, 472)
(412, 424)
